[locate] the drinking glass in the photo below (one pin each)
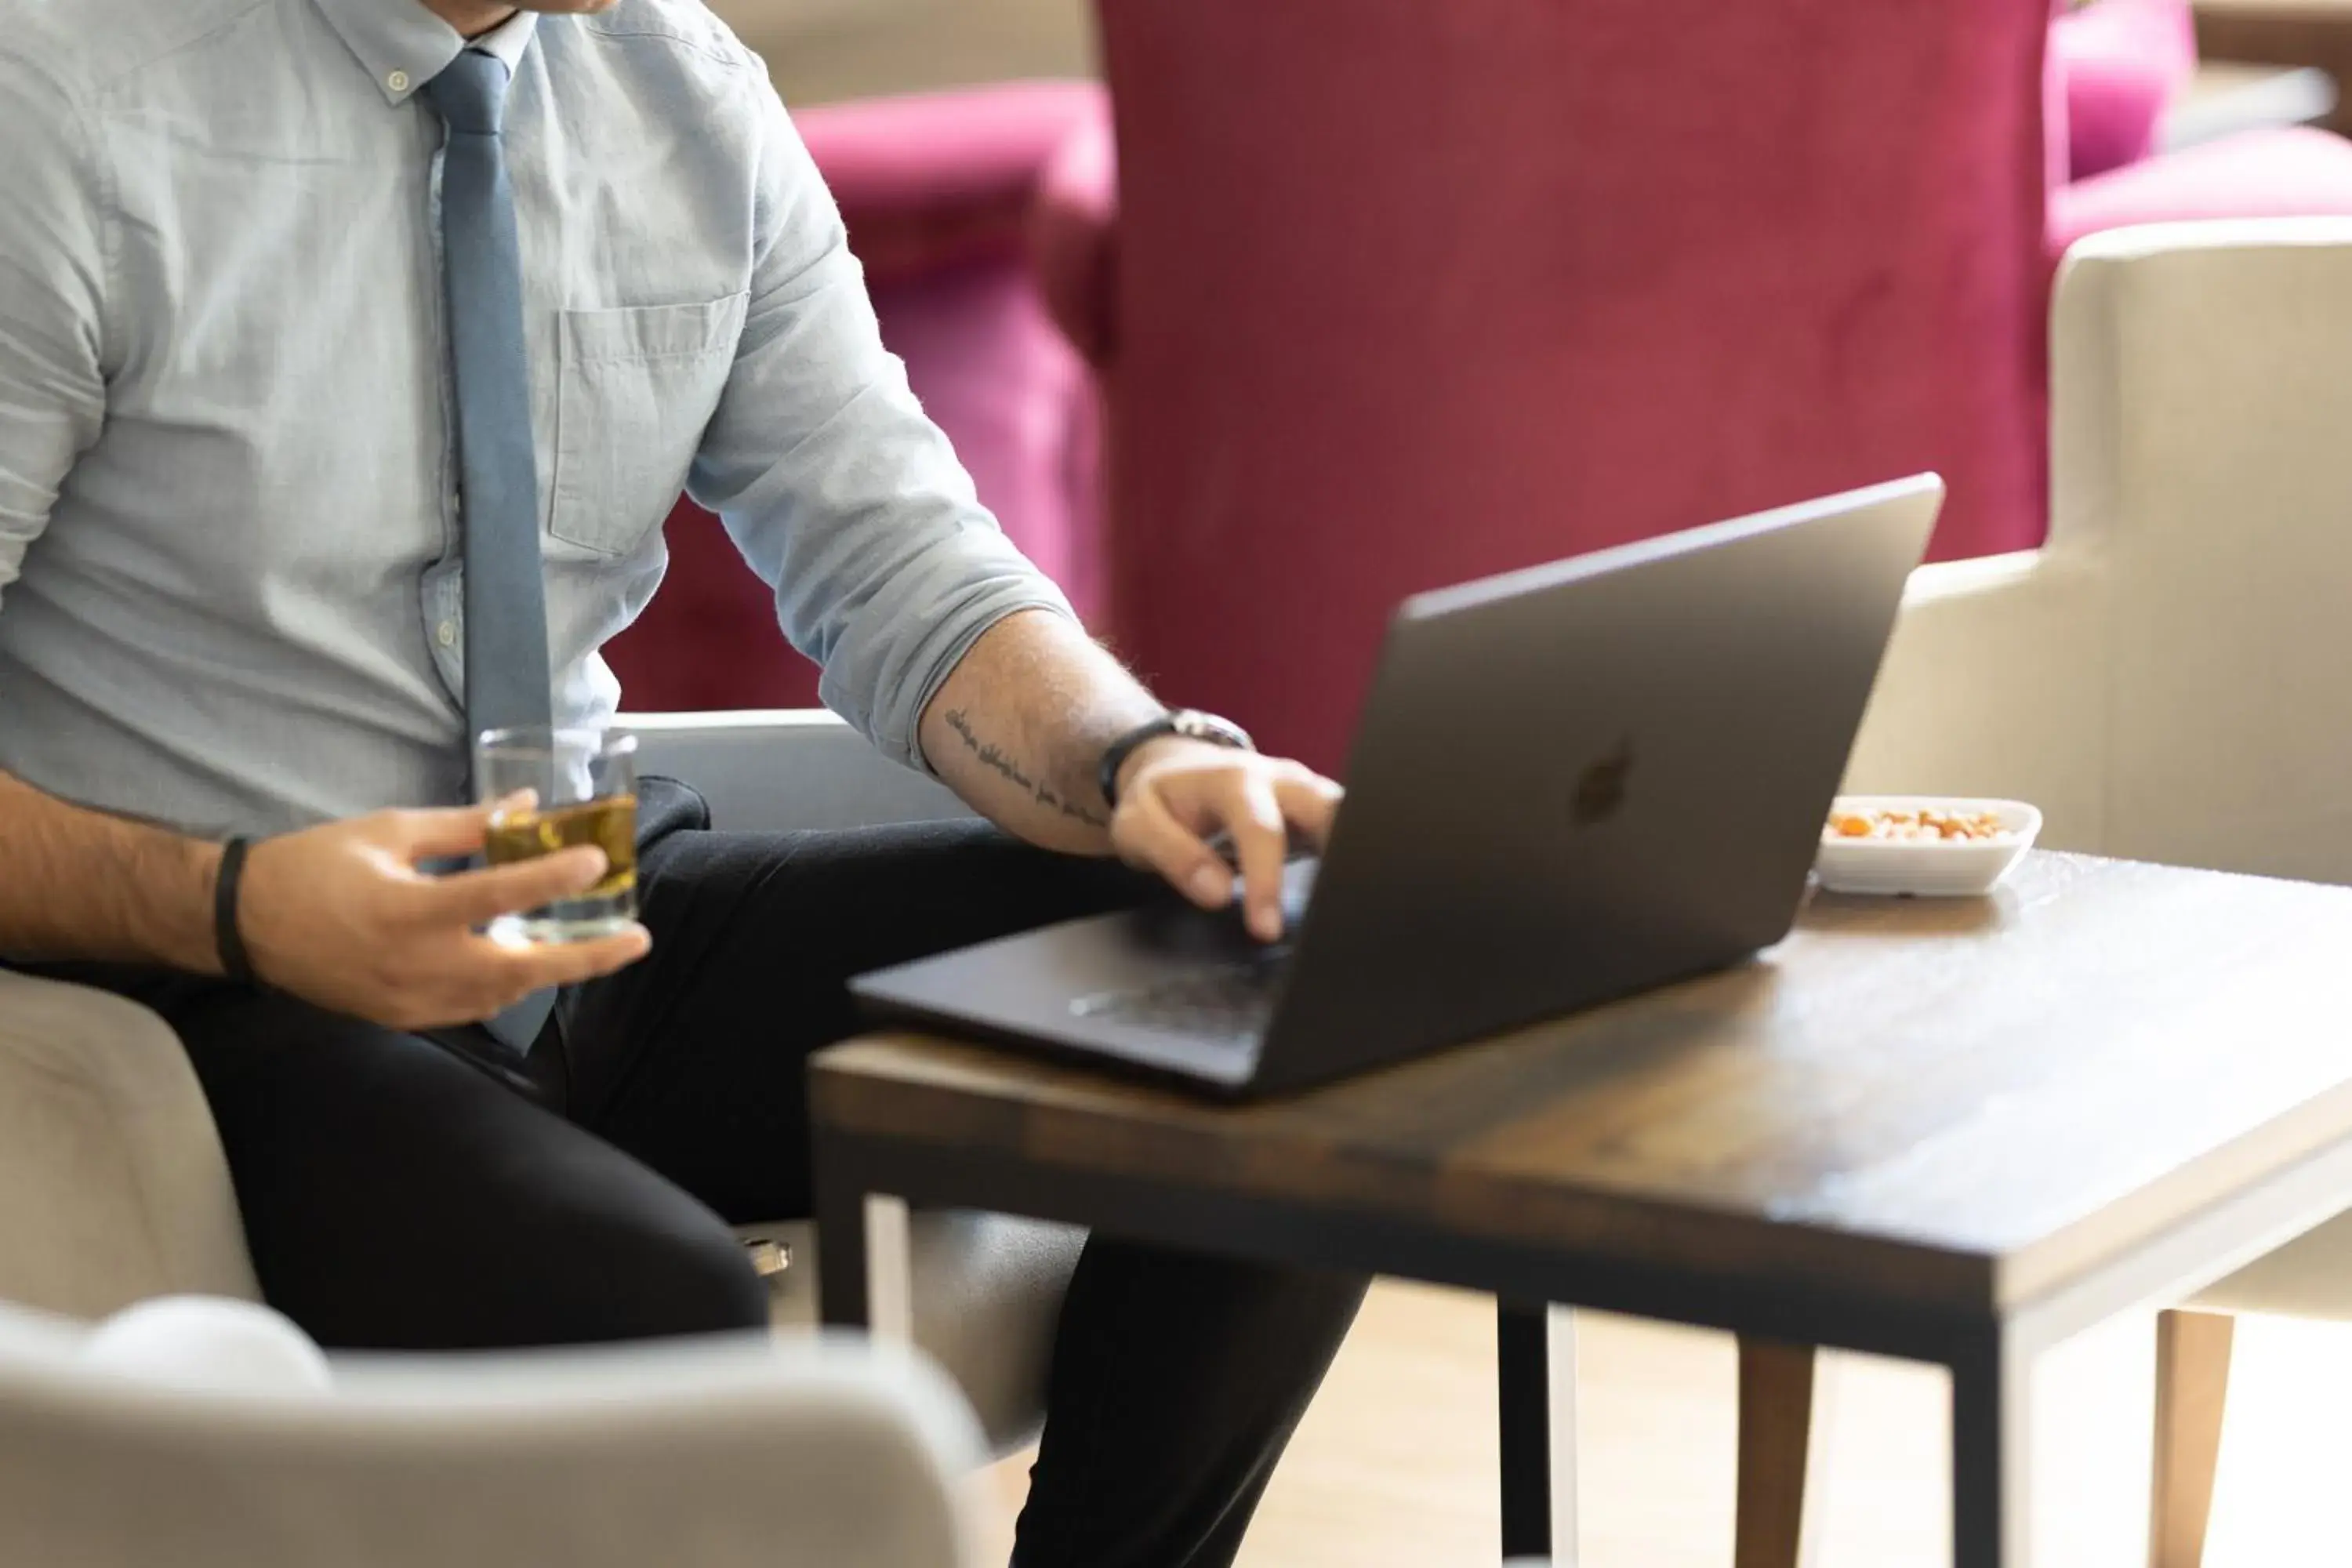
(583, 788)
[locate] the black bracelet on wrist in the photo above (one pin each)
(235, 963)
(1188, 722)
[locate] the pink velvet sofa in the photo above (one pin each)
(1400, 296)
(1387, 297)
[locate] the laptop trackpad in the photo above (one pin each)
(1140, 985)
(1170, 927)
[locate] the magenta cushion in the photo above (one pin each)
(2292, 173)
(2122, 61)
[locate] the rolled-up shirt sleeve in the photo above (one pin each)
(52, 266)
(836, 487)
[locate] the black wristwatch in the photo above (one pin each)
(1183, 722)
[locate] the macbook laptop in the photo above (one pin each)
(1569, 785)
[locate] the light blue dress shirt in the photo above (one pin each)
(229, 548)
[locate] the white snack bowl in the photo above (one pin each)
(1927, 867)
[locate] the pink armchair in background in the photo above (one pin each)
(936, 191)
(2121, 62)
(1390, 298)
(1746, 264)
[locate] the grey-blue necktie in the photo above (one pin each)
(508, 682)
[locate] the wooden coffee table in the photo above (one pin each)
(1953, 1132)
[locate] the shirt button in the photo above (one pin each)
(397, 81)
(446, 634)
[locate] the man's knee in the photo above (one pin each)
(660, 1285)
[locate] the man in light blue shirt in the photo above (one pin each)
(235, 523)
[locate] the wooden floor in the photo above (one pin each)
(1394, 1467)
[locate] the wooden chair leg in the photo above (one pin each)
(2192, 1385)
(1776, 1420)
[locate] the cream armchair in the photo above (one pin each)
(815, 1453)
(113, 1190)
(2170, 678)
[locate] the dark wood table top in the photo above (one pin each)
(1949, 1104)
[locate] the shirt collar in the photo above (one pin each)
(403, 46)
(510, 39)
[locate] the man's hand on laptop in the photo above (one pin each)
(340, 916)
(1024, 724)
(1175, 796)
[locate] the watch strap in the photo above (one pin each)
(1190, 723)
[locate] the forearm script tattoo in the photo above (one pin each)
(993, 758)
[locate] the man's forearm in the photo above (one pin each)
(1020, 727)
(80, 884)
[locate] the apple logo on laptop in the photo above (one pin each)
(1601, 792)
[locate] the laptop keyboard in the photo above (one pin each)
(1229, 1002)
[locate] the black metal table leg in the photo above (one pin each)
(1977, 1499)
(1523, 1373)
(841, 1251)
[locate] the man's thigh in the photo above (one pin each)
(398, 1197)
(696, 1059)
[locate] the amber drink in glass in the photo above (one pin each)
(561, 788)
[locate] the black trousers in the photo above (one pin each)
(414, 1193)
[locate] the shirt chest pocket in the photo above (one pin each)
(637, 388)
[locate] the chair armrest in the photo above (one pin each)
(1987, 689)
(2198, 406)
(787, 770)
(934, 179)
(1074, 239)
(809, 1454)
(2255, 176)
(112, 1185)
(2165, 679)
